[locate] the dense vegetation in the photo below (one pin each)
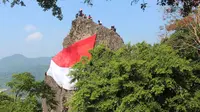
(26, 94)
(136, 78)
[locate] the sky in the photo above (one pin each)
(34, 33)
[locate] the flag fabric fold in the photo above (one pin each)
(62, 63)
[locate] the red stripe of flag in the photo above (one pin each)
(72, 54)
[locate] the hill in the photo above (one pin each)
(18, 63)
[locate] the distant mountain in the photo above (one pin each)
(18, 63)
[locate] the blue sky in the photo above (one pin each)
(34, 33)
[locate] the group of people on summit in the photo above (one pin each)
(80, 14)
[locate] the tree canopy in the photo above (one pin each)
(186, 38)
(10, 104)
(26, 94)
(185, 6)
(138, 78)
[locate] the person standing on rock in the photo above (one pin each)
(81, 13)
(99, 22)
(89, 17)
(113, 28)
(77, 15)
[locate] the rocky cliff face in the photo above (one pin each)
(81, 28)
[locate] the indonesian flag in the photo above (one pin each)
(62, 63)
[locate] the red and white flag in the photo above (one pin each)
(62, 63)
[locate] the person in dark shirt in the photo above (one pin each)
(113, 28)
(81, 13)
(77, 15)
(99, 22)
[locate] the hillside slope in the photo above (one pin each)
(18, 63)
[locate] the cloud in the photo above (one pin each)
(30, 28)
(34, 36)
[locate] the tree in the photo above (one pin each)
(186, 36)
(22, 84)
(11, 104)
(27, 94)
(135, 78)
(183, 43)
(186, 5)
(186, 39)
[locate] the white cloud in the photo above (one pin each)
(30, 28)
(34, 36)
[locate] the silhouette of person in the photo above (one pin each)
(99, 22)
(113, 28)
(81, 13)
(77, 15)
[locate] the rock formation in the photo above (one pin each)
(81, 28)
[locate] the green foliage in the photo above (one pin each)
(22, 83)
(10, 104)
(140, 78)
(28, 94)
(183, 42)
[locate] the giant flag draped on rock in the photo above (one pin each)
(62, 63)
